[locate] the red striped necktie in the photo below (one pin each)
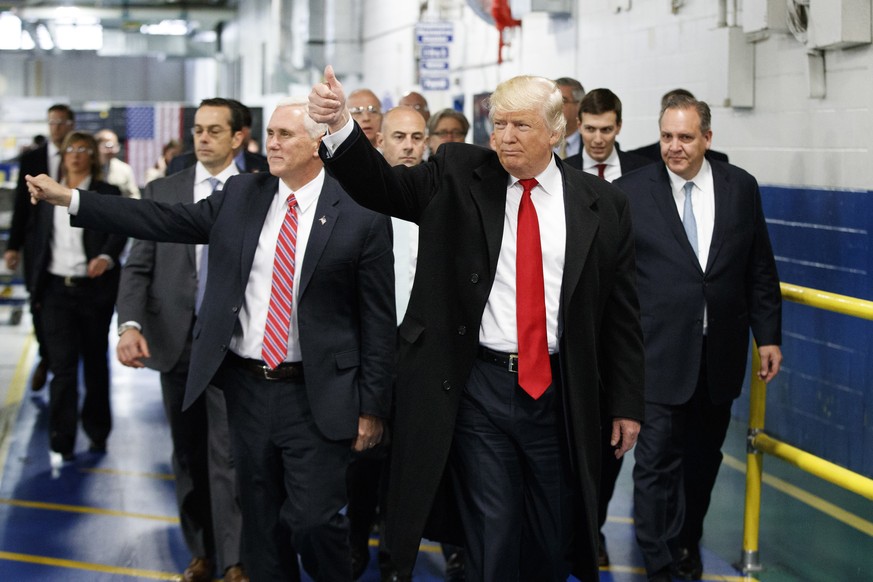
(279, 313)
(534, 368)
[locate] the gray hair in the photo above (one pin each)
(315, 130)
(680, 101)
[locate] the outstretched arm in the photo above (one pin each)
(44, 188)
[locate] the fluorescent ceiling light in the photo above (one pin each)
(166, 28)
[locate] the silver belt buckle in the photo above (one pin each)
(267, 371)
(513, 363)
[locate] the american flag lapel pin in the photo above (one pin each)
(323, 220)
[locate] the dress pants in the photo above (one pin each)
(292, 480)
(510, 474)
(223, 493)
(678, 455)
(610, 467)
(188, 431)
(75, 324)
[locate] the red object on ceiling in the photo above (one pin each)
(503, 19)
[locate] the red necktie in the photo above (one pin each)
(534, 368)
(601, 168)
(279, 313)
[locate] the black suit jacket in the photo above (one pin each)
(458, 199)
(32, 163)
(254, 163)
(628, 161)
(345, 303)
(653, 152)
(95, 242)
(739, 286)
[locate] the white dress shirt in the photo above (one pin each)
(248, 337)
(703, 203)
(54, 161)
(68, 247)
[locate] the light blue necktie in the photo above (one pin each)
(204, 258)
(688, 219)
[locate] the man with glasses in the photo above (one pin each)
(115, 171)
(446, 125)
(45, 159)
(365, 108)
(157, 311)
(572, 93)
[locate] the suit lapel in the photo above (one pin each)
(185, 194)
(582, 224)
(488, 191)
(253, 223)
(328, 208)
(662, 193)
(721, 192)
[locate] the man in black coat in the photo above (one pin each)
(516, 452)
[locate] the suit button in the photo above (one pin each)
(222, 348)
(462, 329)
(235, 309)
(474, 278)
(447, 385)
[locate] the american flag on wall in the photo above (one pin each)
(149, 127)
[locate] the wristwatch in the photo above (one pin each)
(126, 326)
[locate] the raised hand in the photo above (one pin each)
(327, 102)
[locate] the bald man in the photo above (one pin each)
(115, 171)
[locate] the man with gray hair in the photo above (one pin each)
(572, 93)
(508, 340)
(296, 270)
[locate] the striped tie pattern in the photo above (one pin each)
(279, 312)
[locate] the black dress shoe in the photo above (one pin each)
(40, 375)
(97, 447)
(662, 575)
(602, 556)
(689, 566)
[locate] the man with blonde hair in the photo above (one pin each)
(507, 340)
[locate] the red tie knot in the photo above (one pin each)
(292, 201)
(528, 184)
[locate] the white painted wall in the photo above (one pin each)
(787, 138)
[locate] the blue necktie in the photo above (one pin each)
(688, 219)
(204, 258)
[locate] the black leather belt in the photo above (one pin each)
(285, 371)
(508, 362)
(67, 281)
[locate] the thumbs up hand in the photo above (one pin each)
(327, 102)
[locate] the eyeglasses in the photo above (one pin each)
(213, 131)
(450, 133)
(58, 122)
(371, 109)
(79, 150)
(107, 144)
(418, 107)
(568, 101)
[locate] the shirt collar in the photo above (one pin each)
(550, 179)
(589, 162)
(305, 195)
(703, 176)
(201, 174)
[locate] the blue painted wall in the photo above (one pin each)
(820, 401)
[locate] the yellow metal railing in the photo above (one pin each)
(759, 442)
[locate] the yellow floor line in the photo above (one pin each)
(88, 510)
(826, 507)
(13, 398)
(90, 567)
(121, 473)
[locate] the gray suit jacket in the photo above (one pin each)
(159, 281)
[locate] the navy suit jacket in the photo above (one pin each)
(346, 313)
(739, 286)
